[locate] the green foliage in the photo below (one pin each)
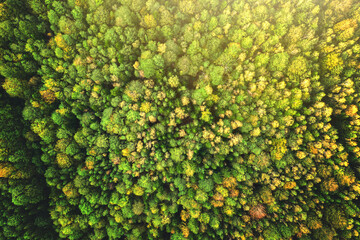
(278, 61)
(206, 185)
(23, 196)
(188, 119)
(216, 75)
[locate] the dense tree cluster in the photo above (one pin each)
(189, 119)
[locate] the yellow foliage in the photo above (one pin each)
(145, 107)
(6, 170)
(174, 81)
(14, 87)
(185, 231)
(346, 179)
(92, 152)
(229, 211)
(234, 193)
(333, 62)
(89, 164)
(3, 11)
(35, 104)
(63, 160)
(64, 221)
(154, 209)
(78, 61)
(61, 144)
(236, 124)
(152, 119)
(185, 101)
(118, 217)
(161, 49)
(59, 69)
(180, 113)
(125, 152)
(224, 192)
(48, 96)
(208, 89)
(313, 149)
(279, 148)
(80, 3)
(195, 213)
(304, 229)
(347, 34)
(33, 80)
(131, 94)
(298, 66)
(255, 132)
(9, 171)
(331, 185)
(60, 41)
(300, 154)
(62, 111)
(39, 127)
(315, 224)
(184, 215)
(150, 21)
(356, 187)
(188, 169)
(69, 190)
(290, 185)
(351, 110)
(138, 191)
(136, 65)
(205, 116)
(213, 97)
(328, 49)
(229, 182)
(345, 24)
(50, 83)
(165, 220)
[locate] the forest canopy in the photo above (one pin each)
(180, 119)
